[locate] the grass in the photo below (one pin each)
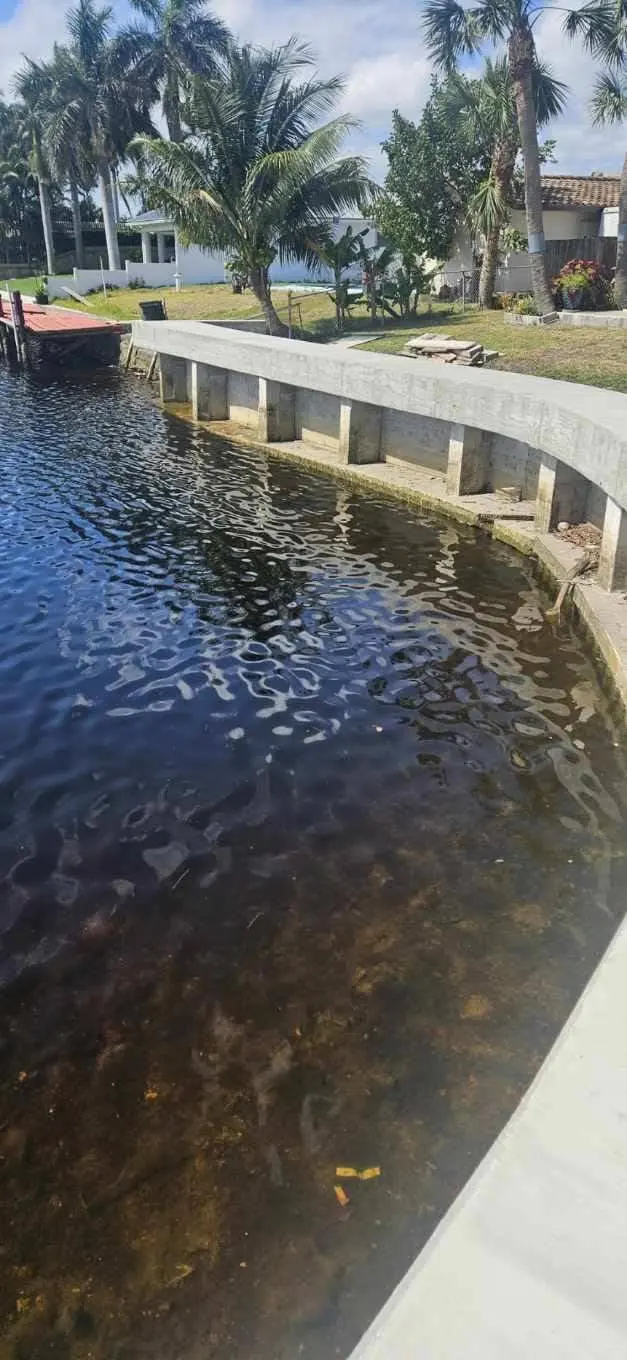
(203, 302)
(576, 354)
(597, 357)
(28, 286)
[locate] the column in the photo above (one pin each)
(161, 247)
(468, 467)
(360, 432)
(177, 266)
(172, 378)
(612, 572)
(276, 411)
(561, 495)
(208, 387)
(146, 253)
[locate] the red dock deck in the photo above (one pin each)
(51, 321)
(55, 335)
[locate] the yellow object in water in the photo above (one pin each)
(341, 1196)
(345, 1173)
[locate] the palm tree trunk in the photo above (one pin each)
(172, 110)
(261, 288)
(521, 54)
(114, 195)
(46, 222)
(77, 225)
(489, 266)
(339, 317)
(104, 185)
(620, 281)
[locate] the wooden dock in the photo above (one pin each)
(34, 335)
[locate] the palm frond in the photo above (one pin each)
(487, 208)
(602, 26)
(451, 31)
(609, 99)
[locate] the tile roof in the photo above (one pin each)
(580, 191)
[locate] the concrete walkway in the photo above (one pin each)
(353, 341)
(530, 1263)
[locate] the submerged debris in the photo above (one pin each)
(345, 1173)
(312, 1131)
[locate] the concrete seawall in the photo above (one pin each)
(530, 1260)
(561, 445)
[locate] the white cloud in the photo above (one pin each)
(379, 49)
(376, 85)
(580, 147)
(32, 29)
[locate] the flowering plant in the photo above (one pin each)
(583, 285)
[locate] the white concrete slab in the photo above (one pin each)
(530, 1263)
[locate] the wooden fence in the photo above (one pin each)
(599, 248)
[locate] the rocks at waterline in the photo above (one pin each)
(445, 350)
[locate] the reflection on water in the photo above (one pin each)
(310, 834)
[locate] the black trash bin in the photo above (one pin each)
(153, 310)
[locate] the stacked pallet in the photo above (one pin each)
(446, 350)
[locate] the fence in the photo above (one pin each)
(599, 248)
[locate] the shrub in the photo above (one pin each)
(583, 286)
(525, 306)
(41, 292)
(522, 303)
(137, 283)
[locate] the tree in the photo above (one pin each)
(338, 256)
(32, 85)
(103, 99)
(68, 156)
(375, 262)
(452, 31)
(257, 178)
(21, 233)
(182, 39)
(604, 29)
(435, 167)
(489, 109)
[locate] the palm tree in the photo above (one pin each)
(32, 86)
(20, 210)
(452, 31)
(182, 39)
(257, 178)
(338, 256)
(488, 105)
(67, 155)
(103, 99)
(603, 27)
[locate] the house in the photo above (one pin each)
(580, 215)
(166, 262)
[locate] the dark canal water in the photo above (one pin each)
(311, 831)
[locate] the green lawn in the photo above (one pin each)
(576, 355)
(202, 302)
(27, 286)
(598, 357)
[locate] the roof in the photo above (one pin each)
(580, 191)
(152, 220)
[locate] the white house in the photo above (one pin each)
(166, 262)
(576, 209)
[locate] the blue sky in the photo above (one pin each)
(376, 44)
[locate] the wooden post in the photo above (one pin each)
(17, 317)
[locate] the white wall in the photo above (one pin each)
(609, 222)
(562, 224)
(84, 281)
(298, 272)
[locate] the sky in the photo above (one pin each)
(376, 44)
